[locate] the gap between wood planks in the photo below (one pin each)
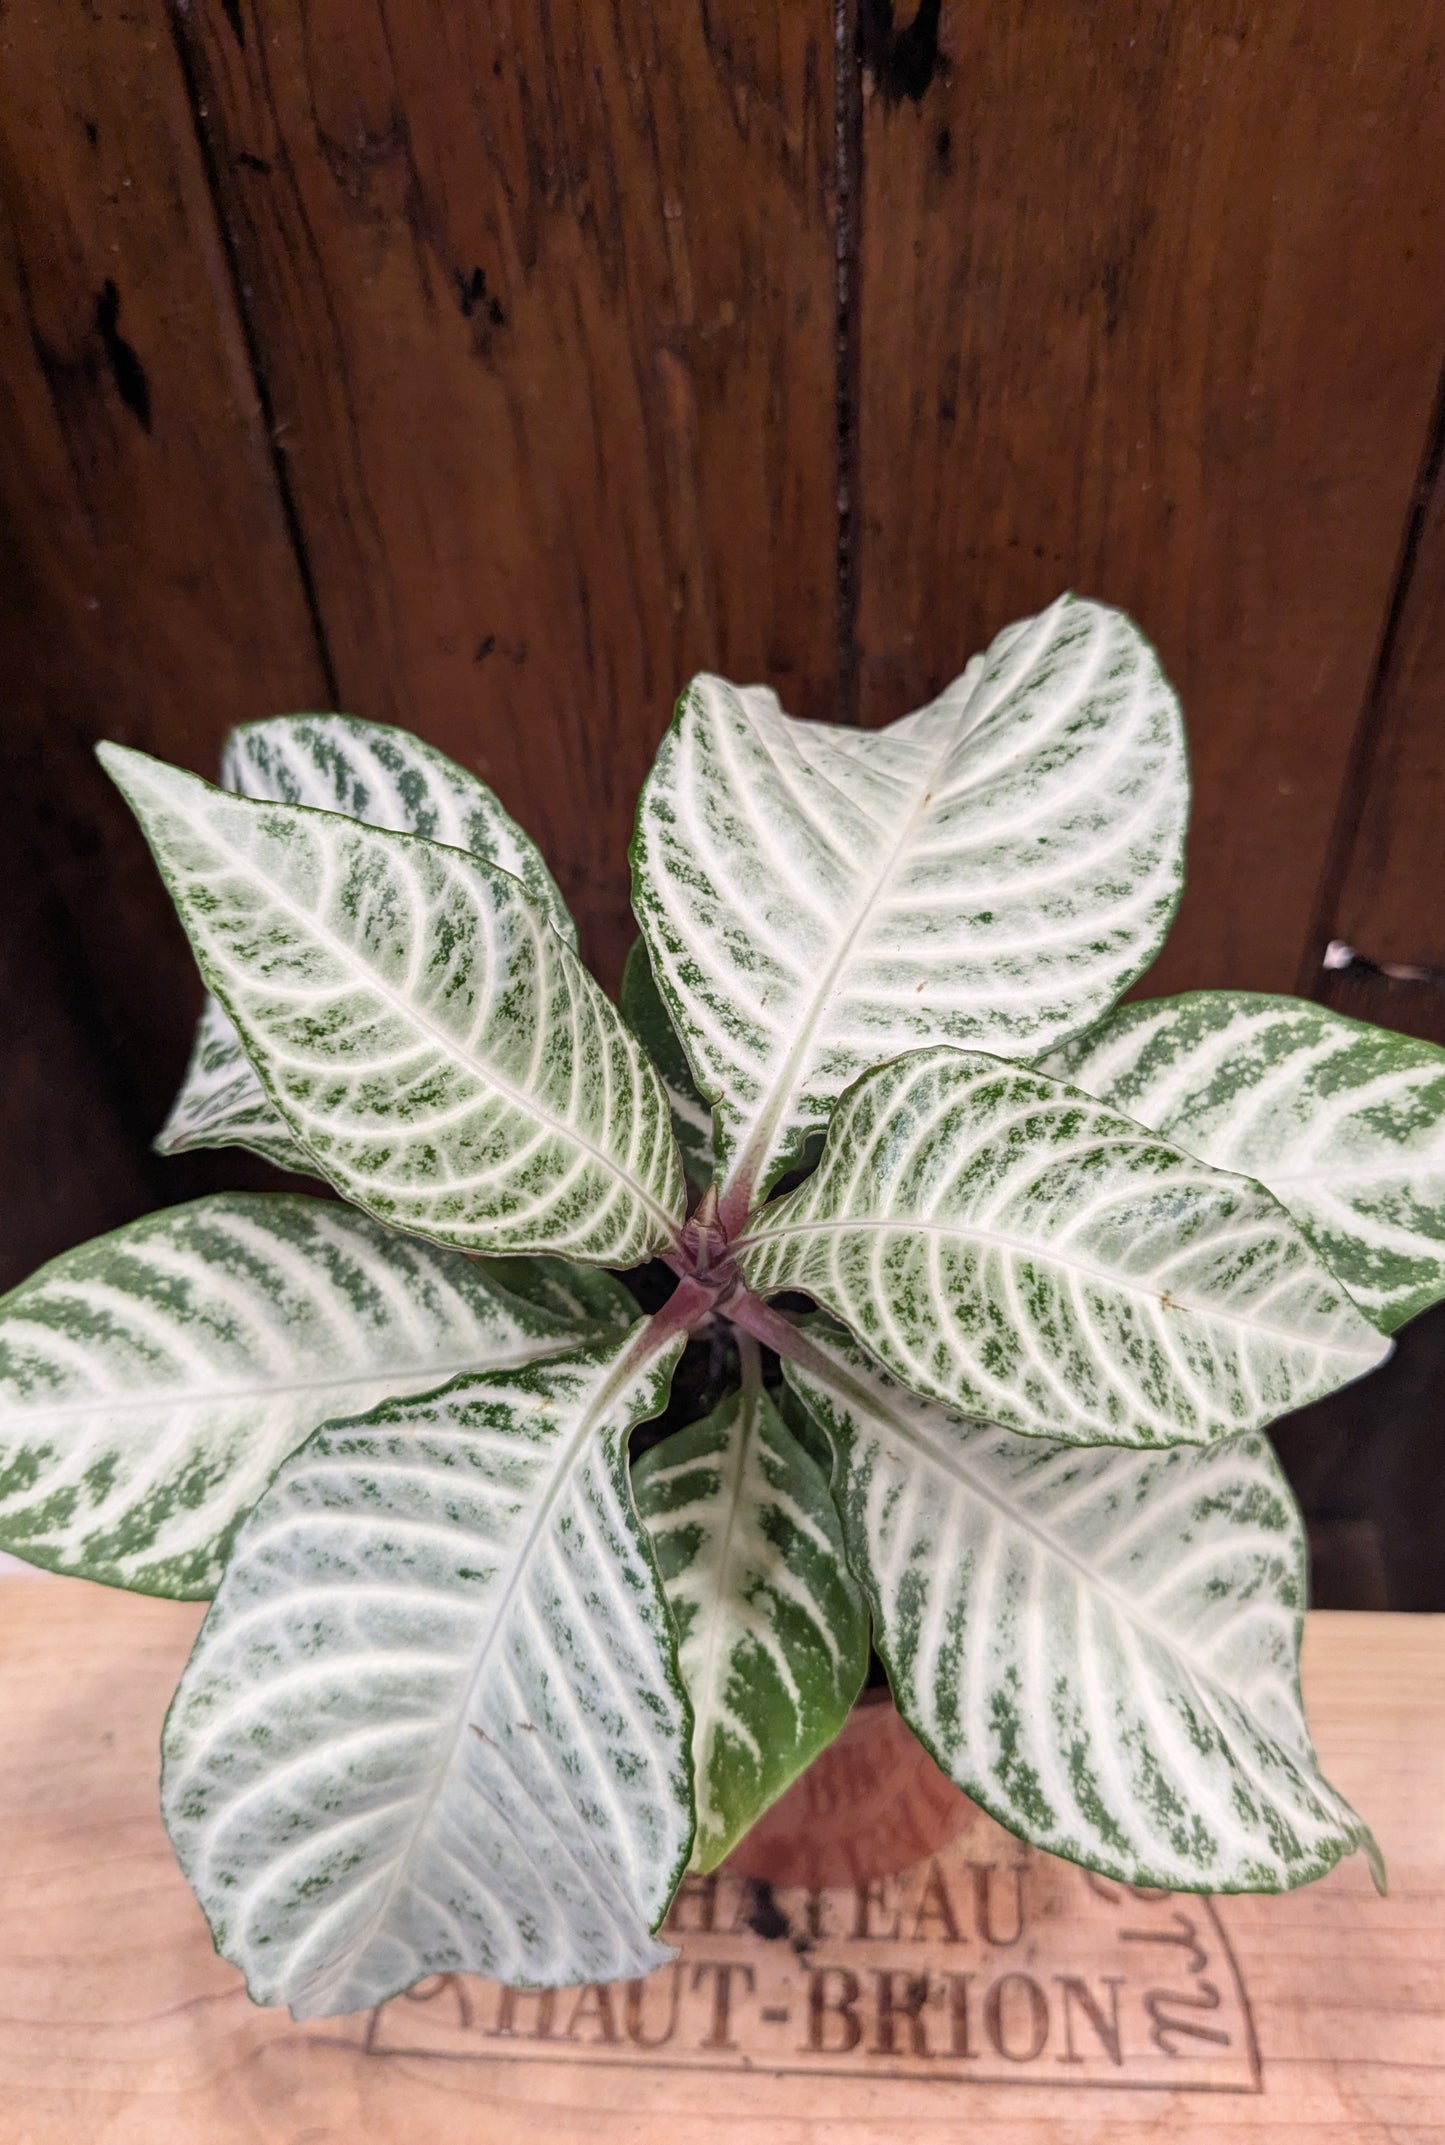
(896, 62)
(848, 185)
(1322, 943)
(290, 514)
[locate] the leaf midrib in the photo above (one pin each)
(750, 1163)
(1021, 1248)
(749, 1406)
(631, 1361)
(209, 1396)
(956, 1466)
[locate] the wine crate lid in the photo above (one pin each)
(990, 1992)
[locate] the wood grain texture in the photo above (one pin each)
(1150, 309)
(117, 2020)
(149, 591)
(1389, 900)
(544, 298)
(70, 1166)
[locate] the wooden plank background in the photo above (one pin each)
(489, 368)
(1106, 344)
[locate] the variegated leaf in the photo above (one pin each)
(1014, 1249)
(581, 1296)
(1100, 1647)
(152, 1382)
(221, 1102)
(646, 1015)
(387, 778)
(433, 1722)
(365, 771)
(773, 1633)
(1345, 1123)
(990, 871)
(432, 1042)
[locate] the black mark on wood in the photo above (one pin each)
(903, 62)
(92, 132)
(493, 644)
(126, 368)
(473, 296)
(764, 1916)
(231, 9)
(250, 162)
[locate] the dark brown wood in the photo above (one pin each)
(150, 592)
(544, 296)
(69, 1165)
(1389, 901)
(1366, 1463)
(1151, 307)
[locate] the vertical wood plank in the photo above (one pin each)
(1151, 308)
(544, 297)
(1389, 903)
(150, 591)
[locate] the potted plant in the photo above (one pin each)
(470, 1695)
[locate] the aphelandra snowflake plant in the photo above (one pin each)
(469, 1696)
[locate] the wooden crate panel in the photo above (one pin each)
(1106, 344)
(1389, 903)
(149, 591)
(545, 302)
(992, 1993)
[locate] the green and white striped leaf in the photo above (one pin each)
(387, 778)
(1101, 1647)
(221, 1102)
(1343, 1122)
(433, 1722)
(582, 1297)
(773, 1633)
(365, 771)
(646, 1015)
(153, 1381)
(1012, 1248)
(991, 871)
(430, 1040)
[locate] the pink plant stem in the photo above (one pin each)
(736, 1204)
(772, 1329)
(687, 1306)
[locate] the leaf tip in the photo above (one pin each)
(132, 772)
(113, 758)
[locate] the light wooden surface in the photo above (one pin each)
(998, 1996)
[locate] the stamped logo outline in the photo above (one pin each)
(988, 1963)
